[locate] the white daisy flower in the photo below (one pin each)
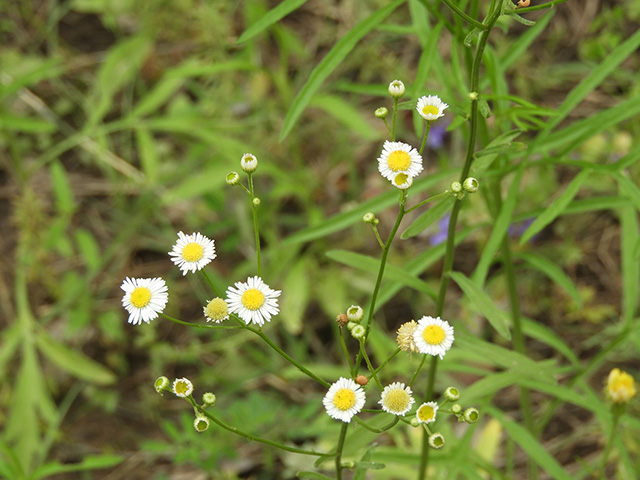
(433, 336)
(216, 310)
(182, 387)
(192, 252)
(396, 399)
(431, 108)
(144, 298)
(402, 181)
(396, 89)
(344, 399)
(426, 412)
(253, 301)
(398, 157)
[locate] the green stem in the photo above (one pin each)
(198, 325)
(415, 375)
(377, 234)
(464, 16)
(255, 438)
(539, 7)
(345, 350)
(363, 350)
(378, 430)
(341, 439)
(210, 282)
(427, 126)
(284, 355)
(254, 211)
(383, 364)
(617, 410)
(395, 114)
(430, 199)
(449, 252)
(386, 124)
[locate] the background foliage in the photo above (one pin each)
(119, 121)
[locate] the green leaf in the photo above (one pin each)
(496, 317)
(349, 116)
(630, 188)
(25, 124)
(556, 208)
(518, 47)
(482, 164)
(543, 334)
(553, 271)
(293, 304)
(530, 445)
(283, 9)
(62, 191)
(483, 106)
(148, 154)
(73, 361)
(500, 227)
(372, 265)
(433, 214)
(471, 36)
(370, 466)
(89, 462)
(630, 266)
(313, 475)
(337, 54)
(89, 249)
(522, 20)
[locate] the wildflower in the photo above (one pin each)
(144, 298)
(355, 313)
(402, 181)
(201, 423)
(443, 231)
(436, 440)
(431, 108)
(456, 408)
(381, 112)
(344, 399)
(208, 399)
(433, 336)
(405, 336)
(396, 399)
(192, 252)
(256, 202)
(249, 163)
(182, 387)
(358, 331)
(370, 217)
(470, 185)
(253, 301)
(471, 415)
(398, 157)
(620, 386)
(216, 310)
(396, 89)
(427, 412)
(232, 178)
(161, 384)
(451, 394)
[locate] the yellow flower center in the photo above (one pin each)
(182, 388)
(344, 399)
(426, 413)
(253, 299)
(401, 178)
(192, 252)
(430, 110)
(217, 309)
(140, 297)
(399, 161)
(620, 386)
(433, 335)
(397, 400)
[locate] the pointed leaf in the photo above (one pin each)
(433, 214)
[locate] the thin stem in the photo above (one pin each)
(213, 287)
(464, 16)
(430, 199)
(377, 234)
(255, 438)
(617, 411)
(377, 430)
(386, 124)
(415, 375)
(286, 356)
(395, 114)
(539, 7)
(254, 211)
(366, 359)
(198, 325)
(383, 364)
(345, 350)
(341, 439)
(427, 126)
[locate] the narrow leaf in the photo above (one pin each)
(337, 54)
(272, 16)
(496, 317)
(556, 208)
(434, 213)
(313, 475)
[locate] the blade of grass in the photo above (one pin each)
(272, 16)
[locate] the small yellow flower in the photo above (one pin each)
(620, 386)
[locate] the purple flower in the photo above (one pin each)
(441, 235)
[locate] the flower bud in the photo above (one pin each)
(451, 394)
(456, 187)
(249, 163)
(342, 319)
(233, 178)
(256, 202)
(381, 113)
(355, 313)
(162, 384)
(208, 399)
(470, 185)
(620, 387)
(369, 218)
(350, 325)
(473, 96)
(471, 415)
(396, 89)
(414, 422)
(201, 424)
(456, 408)
(436, 440)
(404, 337)
(358, 331)
(182, 387)
(362, 380)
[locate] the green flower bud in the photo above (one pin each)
(249, 163)
(358, 331)
(436, 440)
(396, 89)
(451, 394)
(208, 399)
(381, 113)
(470, 185)
(256, 202)
(355, 313)
(162, 384)
(233, 178)
(471, 415)
(201, 424)
(456, 408)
